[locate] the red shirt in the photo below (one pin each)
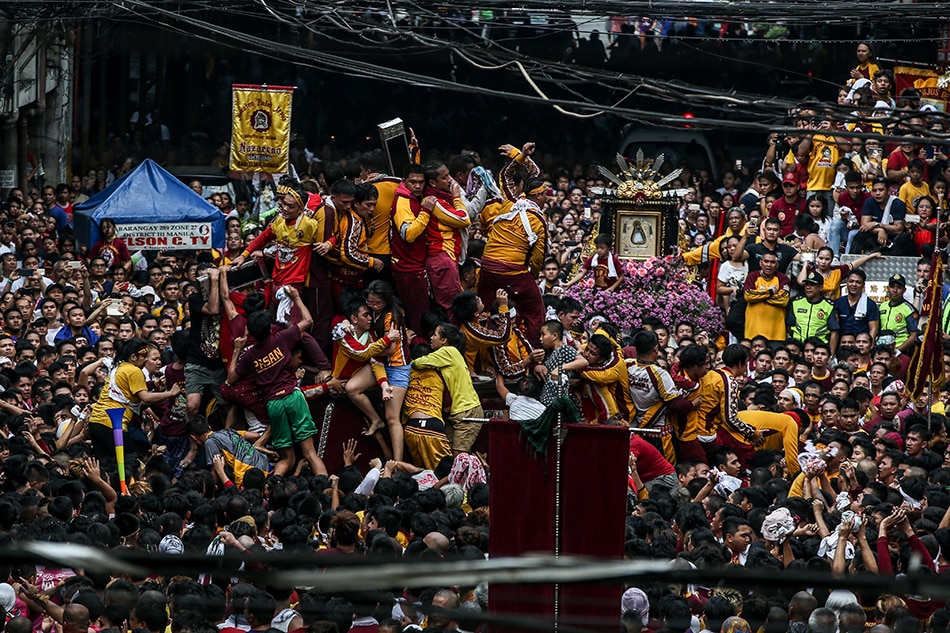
(898, 160)
(602, 277)
(650, 462)
(856, 206)
(114, 252)
(825, 382)
(407, 256)
(786, 212)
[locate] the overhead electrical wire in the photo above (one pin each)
(763, 11)
(768, 113)
(493, 47)
(365, 580)
(760, 112)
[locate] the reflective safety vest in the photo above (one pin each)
(812, 319)
(900, 319)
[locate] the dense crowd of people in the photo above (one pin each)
(786, 441)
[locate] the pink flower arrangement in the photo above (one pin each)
(657, 287)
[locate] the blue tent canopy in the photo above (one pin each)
(148, 195)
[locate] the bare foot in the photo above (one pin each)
(375, 427)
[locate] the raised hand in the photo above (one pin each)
(349, 452)
(91, 466)
(844, 530)
(502, 297)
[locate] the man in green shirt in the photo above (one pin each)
(813, 313)
(899, 316)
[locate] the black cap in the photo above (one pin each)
(814, 278)
(897, 279)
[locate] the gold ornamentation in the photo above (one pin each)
(638, 180)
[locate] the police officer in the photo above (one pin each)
(813, 313)
(899, 315)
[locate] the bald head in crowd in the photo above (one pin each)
(444, 601)
(801, 605)
(18, 624)
(823, 621)
(437, 541)
(75, 618)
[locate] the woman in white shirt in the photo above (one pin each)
(731, 275)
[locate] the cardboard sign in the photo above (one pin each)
(166, 236)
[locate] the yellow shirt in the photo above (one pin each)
(510, 245)
(454, 372)
(821, 163)
(610, 389)
(797, 488)
(910, 192)
(765, 313)
(482, 335)
(831, 289)
(378, 242)
(128, 379)
(181, 311)
(712, 389)
(710, 251)
(424, 394)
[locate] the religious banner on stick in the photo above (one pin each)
(926, 365)
(260, 128)
(932, 86)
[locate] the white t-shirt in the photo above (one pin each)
(426, 479)
(840, 183)
(51, 334)
(824, 227)
(732, 274)
(522, 408)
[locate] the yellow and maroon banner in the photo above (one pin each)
(925, 81)
(260, 129)
(926, 365)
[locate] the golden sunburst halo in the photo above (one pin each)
(639, 180)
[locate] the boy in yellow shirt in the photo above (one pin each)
(916, 186)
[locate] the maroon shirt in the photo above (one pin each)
(856, 206)
(786, 212)
(114, 252)
(825, 382)
(270, 363)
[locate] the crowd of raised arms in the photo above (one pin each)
(785, 441)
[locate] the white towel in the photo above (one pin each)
(611, 268)
(913, 503)
(858, 83)
(861, 310)
(284, 305)
(520, 210)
